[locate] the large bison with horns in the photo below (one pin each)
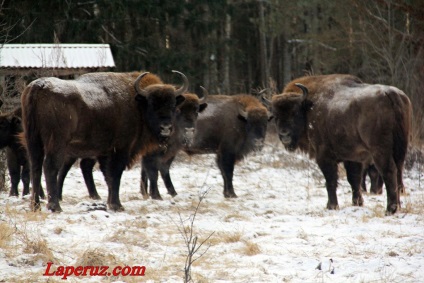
(338, 118)
(185, 123)
(87, 164)
(106, 116)
(230, 127)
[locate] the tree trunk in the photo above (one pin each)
(263, 46)
(226, 66)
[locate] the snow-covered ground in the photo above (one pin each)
(278, 230)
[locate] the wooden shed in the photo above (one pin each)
(22, 63)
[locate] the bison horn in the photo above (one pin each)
(303, 88)
(184, 87)
(243, 113)
(205, 94)
(137, 84)
(266, 102)
(262, 91)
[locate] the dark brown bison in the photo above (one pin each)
(231, 127)
(340, 119)
(161, 159)
(186, 116)
(16, 156)
(106, 116)
(87, 164)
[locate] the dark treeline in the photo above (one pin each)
(232, 46)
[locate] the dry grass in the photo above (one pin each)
(234, 216)
(33, 243)
(250, 248)
(97, 257)
(301, 234)
(225, 237)
(6, 233)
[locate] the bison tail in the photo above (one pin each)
(401, 132)
(31, 137)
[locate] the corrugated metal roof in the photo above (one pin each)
(56, 56)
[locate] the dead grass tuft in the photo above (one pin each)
(250, 248)
(378, 211)
(58, 230)
(97, 257)
(234, 216)
(225, 237)
(6, 233)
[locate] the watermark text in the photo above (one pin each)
(66, 271)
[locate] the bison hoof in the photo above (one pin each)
(173, 194)
(358, 201)
(54, 207)
(230, 195)
(391, 209)
(13, 194)
(95, 197)
(376, 192)
(332, 206)
(116, 207)
(157, 197)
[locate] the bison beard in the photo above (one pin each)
(102, 115)
(231, 127)
(337, 122)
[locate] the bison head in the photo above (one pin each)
(158, 103)
(256, 119)
(289, 110)
(187, 114)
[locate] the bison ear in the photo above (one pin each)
(180, 99)
(202, 106)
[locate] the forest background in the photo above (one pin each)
(239, 46)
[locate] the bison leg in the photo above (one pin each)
(376, 180)
(52, 165)
(149, 164)
(25, 177)
(14, 172)
(166, 177)
(62, 175)
(354, 176)
(401, 186)
(36, 156)
(87, 165)
(226, 163)
(112, 168)
(363, 181)
(143, 182)
(329, 170)
(387, 168)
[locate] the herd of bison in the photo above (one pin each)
(117, 118)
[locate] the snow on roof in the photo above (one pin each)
(62, 56)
